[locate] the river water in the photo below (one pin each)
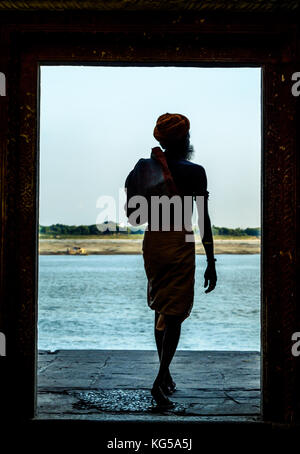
(99, 302)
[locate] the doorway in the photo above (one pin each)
(222, 124)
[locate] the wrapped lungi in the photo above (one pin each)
(169, 262)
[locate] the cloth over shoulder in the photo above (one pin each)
(149, 177)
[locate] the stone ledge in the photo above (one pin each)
(115, 385)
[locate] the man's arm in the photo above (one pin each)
(207, 239)
(210, 275)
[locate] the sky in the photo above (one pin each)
(96, 122)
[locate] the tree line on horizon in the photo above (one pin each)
(62, 229)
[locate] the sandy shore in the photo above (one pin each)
(134, 246)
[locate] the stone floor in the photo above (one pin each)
(115, 385)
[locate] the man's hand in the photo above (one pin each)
(210, 277)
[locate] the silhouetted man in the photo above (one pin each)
(169, 253)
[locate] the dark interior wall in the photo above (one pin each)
(223, 36)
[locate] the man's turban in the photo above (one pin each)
(171, 127)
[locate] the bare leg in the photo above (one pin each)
(159, 336)
(168, 346)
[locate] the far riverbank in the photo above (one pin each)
(134, 246)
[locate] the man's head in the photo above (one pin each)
(172, 132)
